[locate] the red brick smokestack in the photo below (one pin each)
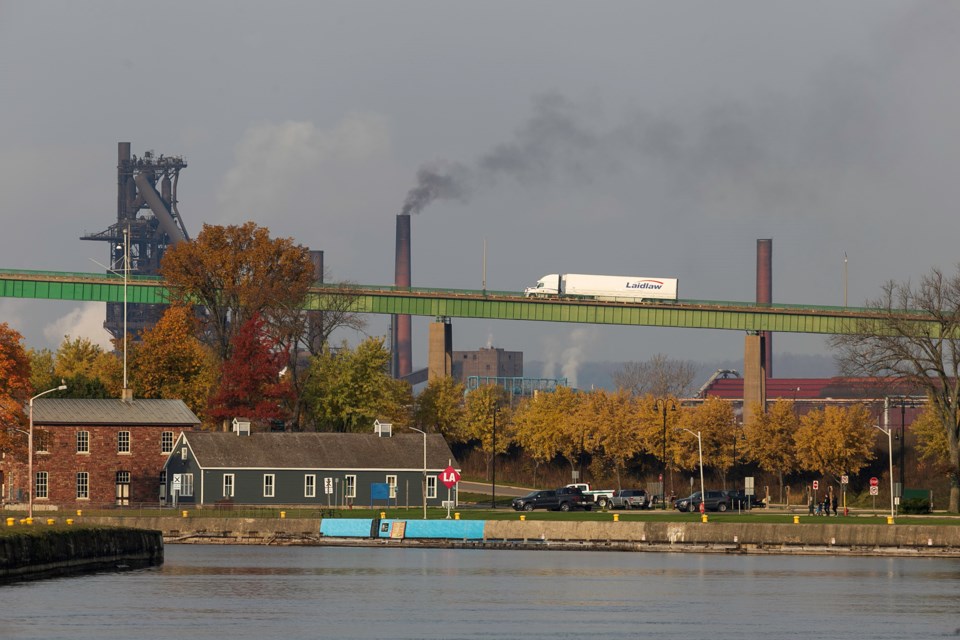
(765, 294)
(402, 339)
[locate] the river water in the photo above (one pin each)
(241, 592)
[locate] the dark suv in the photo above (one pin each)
(715, 501)
(563, 499)
(740, 500)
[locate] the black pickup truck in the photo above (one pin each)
(562, 499)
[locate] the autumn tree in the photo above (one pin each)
(170, 362)
(250, 381)
(15, 389)
(41, 367)
(440, 406)
(88, 370)
(932, 445)
(534, 422)
(920, 356)
(350, 389)
(488, 421)
(659, 376)
(618, 433)
(835, 440)
(234, 273)
(770, 439)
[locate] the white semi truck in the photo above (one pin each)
(603, 287)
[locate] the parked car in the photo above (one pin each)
(715, 501)
(562, 499)
(629, 499)
(739, 500)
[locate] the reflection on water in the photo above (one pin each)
(312, 592)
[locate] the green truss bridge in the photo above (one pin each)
(498, 305)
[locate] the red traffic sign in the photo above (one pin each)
(874, 482)
(449, 477)
(816, 485)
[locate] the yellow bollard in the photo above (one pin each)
(383, 515)
(29, 520)
(79, 512)
(184, 513)
(890, 520)
(796, 519)
(522, 517)
(456, 515)
(10, 522)
(703, 518)
(69, 520)
(50, 521)
(283, 514)
(616, 517)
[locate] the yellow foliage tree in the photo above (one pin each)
(440, 406)
(835, 440)
(535, 429)
(617, 432)
(487, 420)
(770, 439)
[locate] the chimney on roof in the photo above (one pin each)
(383, 429)
(126, 395)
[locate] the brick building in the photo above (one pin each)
(489, 363)
(97, 451)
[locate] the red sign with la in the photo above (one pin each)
(449, 477)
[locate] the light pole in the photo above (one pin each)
(703, 495)
(30, 479)
(903, 441)
(493, 462)
(889, 433)
(424, 470)
(663, 404)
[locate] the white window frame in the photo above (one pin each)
(186, 485)
(83, 442)
(41, 487)
(392, 483)
(41, 441)
(431, 486)
(229, 485)
(183, 453)
(350, 486)
(123, 442)
(166, 442)
(310, 485)
(83, 485)
(269, 485)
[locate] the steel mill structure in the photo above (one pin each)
(147, 223)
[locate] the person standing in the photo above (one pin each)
(810, 503)
(834, 504)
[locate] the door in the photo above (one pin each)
(123, 488)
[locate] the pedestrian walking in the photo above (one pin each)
(834, 504)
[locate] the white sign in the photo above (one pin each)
(844, 479)
(328, 485)
(748, 485)
(874, 491)
(816, 485)
(175, 484)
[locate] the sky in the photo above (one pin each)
(635, 138)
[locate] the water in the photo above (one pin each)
(240, 592)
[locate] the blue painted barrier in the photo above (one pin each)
(433, 529)
(346, 527)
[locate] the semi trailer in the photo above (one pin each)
(597, 287)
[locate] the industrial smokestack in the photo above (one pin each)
(765, 294)
(401, 335)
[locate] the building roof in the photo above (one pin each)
(110, 411)
(317, 451)
(836, 388)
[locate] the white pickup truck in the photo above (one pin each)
(600, 496)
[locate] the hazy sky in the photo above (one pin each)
(632, 138)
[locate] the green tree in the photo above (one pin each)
(234, 273)
(349, 389)
(923, 358)
(41, 367)
(170, 362)
(835, 440)
(15, 389)
(81, 361)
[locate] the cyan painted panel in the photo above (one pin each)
(346, 527)
(434, 529)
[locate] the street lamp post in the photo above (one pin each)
(663, 404)
(889, 433)
(703, 495)
(903, 441)
(493, 463)
(31, 482)
(424, 470)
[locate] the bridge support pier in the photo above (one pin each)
(440, 349)
(754, 375)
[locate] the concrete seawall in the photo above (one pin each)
(62, 552)
(806, 538)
